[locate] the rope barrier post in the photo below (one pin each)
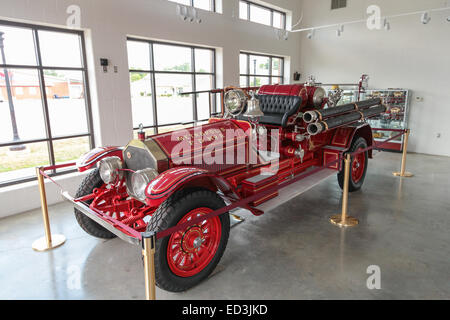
(148, 254)
(402, 172)
(49, 241)
(343, 220)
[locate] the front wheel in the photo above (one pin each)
(358, 166)
(91, 182)
(187, 257)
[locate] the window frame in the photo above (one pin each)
(338, 4)
(192, 2)
(248, 75)
(40, 69)
(193, 73)
(250, 3)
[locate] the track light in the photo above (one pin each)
(195, 16)
(386, 25)
(425, 18)
(182, 12)
(311, 34)
(187, 14)
(282, 34)
(340, 30)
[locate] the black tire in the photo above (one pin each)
(358, 143)
(169, 213)
(89, 183)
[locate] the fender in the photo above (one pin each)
(343, 137)
(90, 158)
(172, 180)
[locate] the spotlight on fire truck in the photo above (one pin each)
(235, 101)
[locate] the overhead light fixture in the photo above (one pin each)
(311, 34)
(340, 30)
(282, 34)
(448, 19)
(386, 25)
(425, 18)
(182, 11)
(188, 14)
(195, 16)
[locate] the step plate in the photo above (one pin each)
(297, 189)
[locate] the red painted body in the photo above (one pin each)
(232, 181)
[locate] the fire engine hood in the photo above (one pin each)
(158, 151)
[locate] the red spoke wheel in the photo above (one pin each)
(187, 257)
(358, 166)
(191, 250)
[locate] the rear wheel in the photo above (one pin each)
(187, 257)
(90, 182)
(358, 166)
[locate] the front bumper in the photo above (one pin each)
(116, 227)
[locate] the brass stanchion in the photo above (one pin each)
(402, 172)
(49, 241)
(343, 220)
(235, 220)
(148, 253)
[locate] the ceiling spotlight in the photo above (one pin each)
(425, 18)
(340, 30)
(282, 34)
(195, 16)
(386, 25)
(448, 19)
(311, 34)
(182, 12)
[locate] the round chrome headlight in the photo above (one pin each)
(140, 180)
(235, 101)
(319, 96)
(109, 169)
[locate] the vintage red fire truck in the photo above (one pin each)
(164, 180)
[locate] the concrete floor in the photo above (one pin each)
(291, 252)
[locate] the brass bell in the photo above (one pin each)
(253, 109)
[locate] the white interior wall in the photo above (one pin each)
(107, 24)
(411, 55)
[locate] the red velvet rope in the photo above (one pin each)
(241, 202)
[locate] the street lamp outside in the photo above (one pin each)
(10, 100)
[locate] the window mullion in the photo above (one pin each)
(194, 86)
(87, 94)
(153, 85)
(48, 130)
(215, 80)
(270, 70)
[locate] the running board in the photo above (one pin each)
(294, 190)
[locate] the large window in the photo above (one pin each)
(209, 5)
(257, 70)
(159, 75)
(261, 14)
(45, 116)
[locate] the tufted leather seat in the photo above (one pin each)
(277, 109)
